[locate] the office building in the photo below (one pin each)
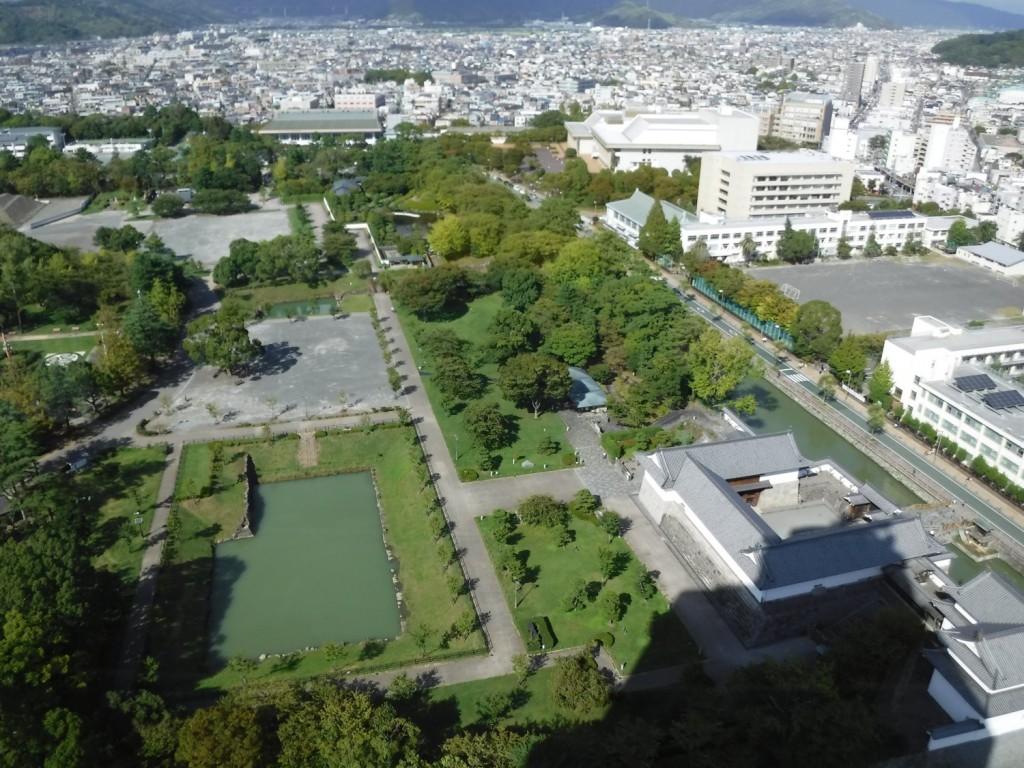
(751, 185)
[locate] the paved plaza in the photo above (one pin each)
(882, 296)
(306, 365)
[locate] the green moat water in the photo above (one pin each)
(316, 571)
(777, 412)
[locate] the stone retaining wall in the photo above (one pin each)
(244, 529)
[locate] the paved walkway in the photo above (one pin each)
(460, 508)
(137, 628)
(602, 477)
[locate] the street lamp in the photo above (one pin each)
(848, 380)
(456, 447)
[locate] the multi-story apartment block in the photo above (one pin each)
(751, 185)
(805, 118)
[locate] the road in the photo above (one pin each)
(900, 445)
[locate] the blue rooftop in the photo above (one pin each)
(585, 392)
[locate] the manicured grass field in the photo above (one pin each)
(649, 636)
(127, 482)
(472, 327)
(81, 344)
(179, 636)
(252, 299)
(532, 702)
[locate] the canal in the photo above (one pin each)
(777, 412)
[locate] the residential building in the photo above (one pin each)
(853, 81)
(303, 127)
(360, 101)
(628, 140)
(749, 185)
(779, 541)
(15, 140)
(804, 118)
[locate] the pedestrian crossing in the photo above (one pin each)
(793, 375)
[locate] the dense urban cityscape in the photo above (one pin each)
(381, 394)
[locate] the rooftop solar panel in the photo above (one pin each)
(974, 383)
(1008, 398)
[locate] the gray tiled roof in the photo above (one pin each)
(700, 474)
(744, 456)
(844, 550)
(989, 644)
(638, 206)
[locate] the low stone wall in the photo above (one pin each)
(244, 529)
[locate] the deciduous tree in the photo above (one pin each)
(536, 381)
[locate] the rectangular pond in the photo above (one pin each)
(316, 571)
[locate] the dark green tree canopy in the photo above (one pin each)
(817, 330)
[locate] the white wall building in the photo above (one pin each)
(995, 257)
(944, 375)
(627, 140)
(724, 238)
(748, 185)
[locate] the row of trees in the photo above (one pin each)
(218, 156)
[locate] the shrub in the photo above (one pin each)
(607, 639)
(568, 459)
(545, 639)
(468, 475)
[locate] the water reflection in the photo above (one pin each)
(777, 412)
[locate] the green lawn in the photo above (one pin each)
(473, 327)
(532, 703)
(127, 482)
(300, 227)
(179, 637)
(252, 299)
(550, 571)
(83, 344)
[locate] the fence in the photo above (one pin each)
(772, 330)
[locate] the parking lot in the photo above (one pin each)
(305, 366)
(884, 296)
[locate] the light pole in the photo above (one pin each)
(456, 447)
(848, 379)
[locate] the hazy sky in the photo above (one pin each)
(1017, 6)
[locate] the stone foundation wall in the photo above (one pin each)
(244, 529)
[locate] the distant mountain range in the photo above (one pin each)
(30, 21)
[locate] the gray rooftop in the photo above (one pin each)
(1001, 254)
(638, 206)
(989, 644)
(1009, 421)
(700, 474)
(323, 121)
(980, 339)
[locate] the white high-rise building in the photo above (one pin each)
(750, 185)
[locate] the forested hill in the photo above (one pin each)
(44, 21)
(1002, 49)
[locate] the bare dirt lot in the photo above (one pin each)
(882, 295)
(306, 364)
(201, 237)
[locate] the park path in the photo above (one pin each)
(137, 628)
(460, 509)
